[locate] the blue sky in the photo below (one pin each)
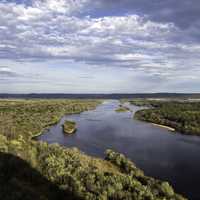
(93, 46)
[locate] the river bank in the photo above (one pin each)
(80, 176)
(163, 126)
(183, 116)
(154, 150)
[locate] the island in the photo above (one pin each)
(69, 127)
(122, 109)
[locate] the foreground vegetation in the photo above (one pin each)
(69, 127)
(183, 116)
(35, 170)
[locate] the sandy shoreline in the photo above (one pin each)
(163, 126)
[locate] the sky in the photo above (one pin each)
(99, 46)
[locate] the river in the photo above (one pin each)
(160, 153)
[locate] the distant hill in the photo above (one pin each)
(103, 96)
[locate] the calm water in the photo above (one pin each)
(160, 153)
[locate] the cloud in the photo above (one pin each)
(6, 72)
(183, 13)
(157, 38)
(39, 32)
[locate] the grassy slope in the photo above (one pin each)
(182, 116)
(36, 170)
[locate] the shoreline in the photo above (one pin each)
(166, 127)
(48, 126)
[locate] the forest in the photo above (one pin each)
(183, 116)
(31, 169)
(29, 118)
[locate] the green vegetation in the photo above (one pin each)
(142, 102)
(36, 170)
(41, 171)
(69, 127)
(183, 116)
(30, 117)
(122, 109)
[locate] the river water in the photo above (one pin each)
(160, 153)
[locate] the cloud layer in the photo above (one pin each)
(156, 38)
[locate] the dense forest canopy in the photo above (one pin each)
(30, 117)
(184, 116)
(41, 171)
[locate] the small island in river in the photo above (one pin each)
(122, 109)
(69, 127)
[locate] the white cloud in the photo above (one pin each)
(5, 69)
(61, 6)
(49, 29)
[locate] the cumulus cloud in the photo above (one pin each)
(153, 37)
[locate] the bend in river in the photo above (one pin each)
(160, 153)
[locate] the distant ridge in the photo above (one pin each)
(100, 96)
